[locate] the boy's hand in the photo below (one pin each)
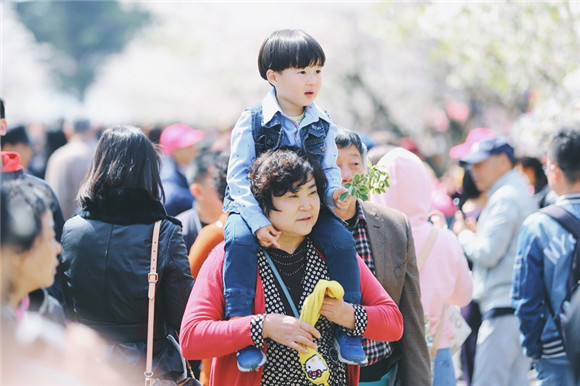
(336, 197)
(268, 236)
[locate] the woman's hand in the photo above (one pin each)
(289, 331)
(338, 311)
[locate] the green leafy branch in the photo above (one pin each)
(375, 180)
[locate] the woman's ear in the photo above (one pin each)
(271, 75)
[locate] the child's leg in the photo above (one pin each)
(240, 266)
(337, 246)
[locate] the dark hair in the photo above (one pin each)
(198, 169)
(534, 164)
(220, 174)
(2, 112)
(565, 152)
(124, 158)
(346, 138)
(22, 205)
(468, 188)
(277, 172)
(81, 125)
(289, 48)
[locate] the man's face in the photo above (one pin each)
(185, 155)
(350, 163)
(485, 173)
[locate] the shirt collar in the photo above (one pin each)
(270, 107)
(501, 181)
(359, 217)
(570, 198)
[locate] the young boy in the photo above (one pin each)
(291, 61)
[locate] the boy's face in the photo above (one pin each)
(296, 87)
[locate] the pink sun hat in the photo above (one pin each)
(178, 136)
(474, 136)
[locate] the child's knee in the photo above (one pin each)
(239, 233)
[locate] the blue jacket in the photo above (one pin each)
(543, 261)
(178, 198)
(265, 127)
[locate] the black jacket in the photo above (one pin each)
(105, 261)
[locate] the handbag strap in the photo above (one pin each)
(281, 281)
(438, 333)
(152, 278)
(427, 247)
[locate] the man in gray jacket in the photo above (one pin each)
(492, 250)
(385, 243)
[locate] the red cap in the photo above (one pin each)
(178, 136)
(474, 136)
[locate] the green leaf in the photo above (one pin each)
(343, 197)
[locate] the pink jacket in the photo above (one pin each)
(205, 333)
(445, 276)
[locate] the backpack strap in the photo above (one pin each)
(565, 218)
(427, 248)
(572, 225)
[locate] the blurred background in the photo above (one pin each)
(421, 72)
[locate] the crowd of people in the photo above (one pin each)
(264, 271)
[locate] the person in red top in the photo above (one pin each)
(287, 186)
(11, 169)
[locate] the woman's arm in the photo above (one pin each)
(385, 321)
(204, 332)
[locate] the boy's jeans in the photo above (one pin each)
(553, 371)
(329, 235)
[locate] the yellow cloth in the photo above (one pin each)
(312, 362)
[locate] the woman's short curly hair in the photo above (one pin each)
(283, 170)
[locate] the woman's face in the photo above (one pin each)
(297, 212)
(36, 267)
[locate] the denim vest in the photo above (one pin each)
(271, 136)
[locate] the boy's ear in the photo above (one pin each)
(271, 75)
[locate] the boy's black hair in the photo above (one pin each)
(2, 112)
(289, 48)
(346, 138)
(283, 170)
(565, 152)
